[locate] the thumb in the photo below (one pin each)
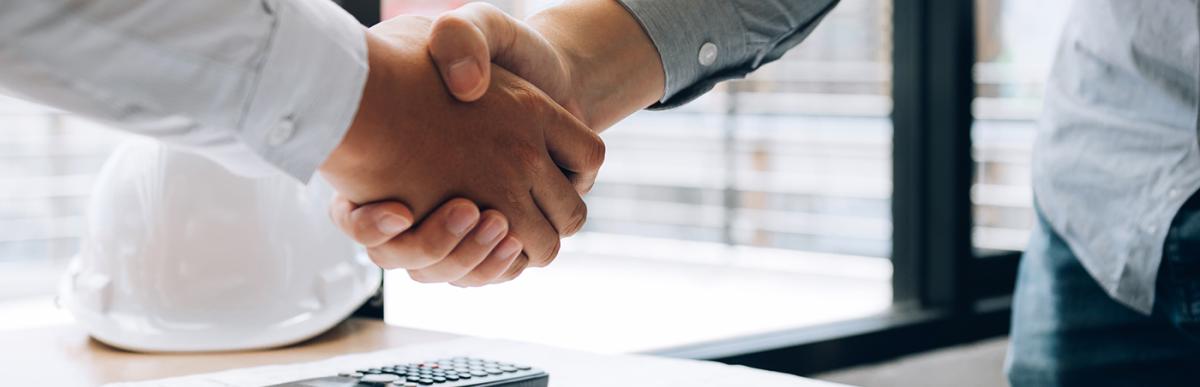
(371, 224)
(465, 42)
(462, 54)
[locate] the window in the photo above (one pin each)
(764, 205)
(1016, 46)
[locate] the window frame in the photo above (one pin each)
(945, 292)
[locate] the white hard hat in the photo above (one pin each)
(181, 255)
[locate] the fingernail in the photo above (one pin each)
(464, 75)
(508, 249)
(489, 232)
(461, 219)
(391, 224)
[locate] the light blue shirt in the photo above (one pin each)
(1116, 157)
(1117, 153)
(262, 86)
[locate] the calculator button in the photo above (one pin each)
(479, 373)
(425, 381)
(414, 378)
(508, 369)
(438, 379)
(452, 378)
(522, 367)
(464, 375)
(379, 378)
(493, 371)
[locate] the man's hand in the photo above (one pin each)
(591, 56)
(475, 257)
(508, 151)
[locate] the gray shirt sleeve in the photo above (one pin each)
(743, 35)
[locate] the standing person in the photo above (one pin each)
(1109, 288)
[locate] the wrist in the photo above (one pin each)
(341, 163)
(613, 67)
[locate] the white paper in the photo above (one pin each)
(566, 368)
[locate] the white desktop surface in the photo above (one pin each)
(63, 355)
(565, 367)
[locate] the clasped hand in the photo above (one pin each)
(413, 148)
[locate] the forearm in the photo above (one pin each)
(269, 87)
(614, 67)
(623, 53)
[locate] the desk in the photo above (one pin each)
(64, 355)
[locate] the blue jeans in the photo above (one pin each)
(1066, 331)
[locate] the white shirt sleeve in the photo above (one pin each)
(258, 85)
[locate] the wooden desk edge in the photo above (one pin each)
(65, 355)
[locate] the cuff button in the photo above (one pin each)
(708, 54)
(282, 132)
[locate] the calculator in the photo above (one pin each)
(451, 372)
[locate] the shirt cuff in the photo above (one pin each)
(308, 86)
(697, 40)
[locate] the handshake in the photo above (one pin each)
(463, 171)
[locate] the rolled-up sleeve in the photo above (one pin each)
(260, 86)
(703, 42)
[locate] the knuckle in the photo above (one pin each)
(545, 259)
(528, 158)
(453, 266)
(382, 260)
(576, 221)
(426, 256)
(530, 98)
(420, 276)
(587, 187)
(421, 255)
(361, 230)
(595, 157)
(437, 246)
(515, 271)
(339, 212)
(448, 23)
(472, 279)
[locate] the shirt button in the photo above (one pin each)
(708, 54)
(282, 132)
